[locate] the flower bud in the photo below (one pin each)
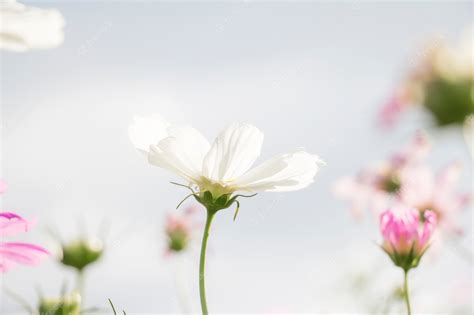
(450, 102)
(69, 305)
(178, 232)
(406, 237)
(80, 253)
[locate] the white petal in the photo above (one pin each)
(233, 153)
(24, 27)
(286, 172)
(146, 131)
(182, 152)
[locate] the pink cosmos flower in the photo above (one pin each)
(393, 108)
(426, 190)
(375, 187)
(406, 234)
(13, 253)
(179, 229)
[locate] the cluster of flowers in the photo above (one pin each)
(416, 202)
(419, 201)
(406, 179)
(77, 254)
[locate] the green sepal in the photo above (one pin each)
(214, 204)
(222, 202)
(406, 261)
(236, 209)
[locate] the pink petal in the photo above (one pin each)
(390, 112)
(354, 191)
(12, 254)
(11, 224)
(418, 185)
(400, 229)
(414, 152)
(428, 229)
(3, 186)
(448, 178)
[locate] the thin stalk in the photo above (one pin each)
(80, 284)
(407, 294)
(180, 283)
(202, 262)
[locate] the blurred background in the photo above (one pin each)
(310, 75)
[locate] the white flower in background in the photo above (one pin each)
(23, 28)
(225, 166)
(455, 62)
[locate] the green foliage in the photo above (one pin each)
(113, 308)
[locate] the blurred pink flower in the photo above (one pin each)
(406, 234)
(179, 228)
(426, 190)
(11, 253)
(392, 109)
(374, 188)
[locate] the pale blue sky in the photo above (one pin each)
(307, 74)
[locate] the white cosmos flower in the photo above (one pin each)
(224, 166)
(23, 28)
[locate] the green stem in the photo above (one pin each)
(407, 295)
(202, 262)
(80, 284)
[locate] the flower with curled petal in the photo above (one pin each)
(224, 167)
(221, 169)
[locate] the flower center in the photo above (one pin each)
(391, 184)
(215, 188)
(425, 208)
